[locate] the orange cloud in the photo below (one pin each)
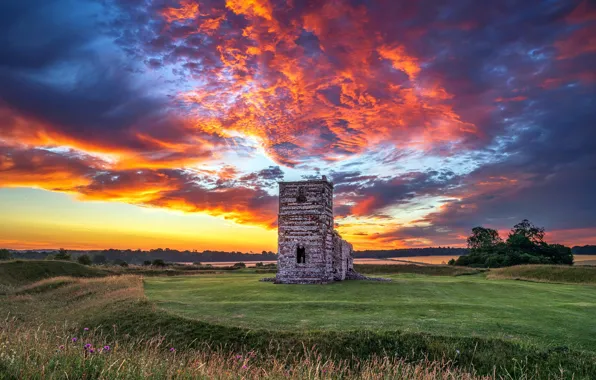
(189, 9)
(400, 60)
(356, 98)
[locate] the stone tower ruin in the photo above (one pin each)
(310, 251)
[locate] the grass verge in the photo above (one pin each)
(430, 270)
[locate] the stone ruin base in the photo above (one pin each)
(351, 275)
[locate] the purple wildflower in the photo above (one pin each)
(74, 340)
(91, 351)
(244, 367)
(238, 357)
(88, 346)
(86, 329)
(172, 349)
(61, 347)
(106, 348)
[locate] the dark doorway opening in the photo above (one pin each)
(300, 254)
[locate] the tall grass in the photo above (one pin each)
(58, 353)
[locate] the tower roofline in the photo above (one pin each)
(322, 180)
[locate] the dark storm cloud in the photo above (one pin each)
(549, 175)
(265, 178)
(371, 194)
(58, 73)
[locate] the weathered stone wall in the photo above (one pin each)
(309, 250)
(342, 260)
(305, 222)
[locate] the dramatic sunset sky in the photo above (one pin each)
(167, 123)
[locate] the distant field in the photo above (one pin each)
(585, 259)
(547, 273)
(547, 314)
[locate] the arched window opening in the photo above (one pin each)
(301, 198)
(300, 254)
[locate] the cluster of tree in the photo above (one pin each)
(172, 255)
(407, 252)
(524, 245)
(140, 257)
(5, 254)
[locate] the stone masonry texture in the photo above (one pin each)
(310, 251)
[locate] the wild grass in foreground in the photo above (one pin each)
(120, 316)
(57, 353)
(547, 273)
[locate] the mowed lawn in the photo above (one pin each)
(540, 313)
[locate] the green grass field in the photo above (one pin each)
(545, 314)
(430, 323)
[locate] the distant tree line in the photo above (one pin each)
(524, 245)
(117, 256)
(585, 250)
(406, 252)
(121, 256)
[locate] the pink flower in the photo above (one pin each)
(86, 329)
(74, 340)
(61, 347)
(172, 349)
(244, 367)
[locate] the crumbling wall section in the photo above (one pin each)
(343, 260)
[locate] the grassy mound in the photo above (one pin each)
(430, 270)
(547, 273)
(20, 272)
(116, 311)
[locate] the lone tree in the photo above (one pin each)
(483, 239)
(159, 263)
(5, 254)
(84, 260)
(62, 255)
(529, 231)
